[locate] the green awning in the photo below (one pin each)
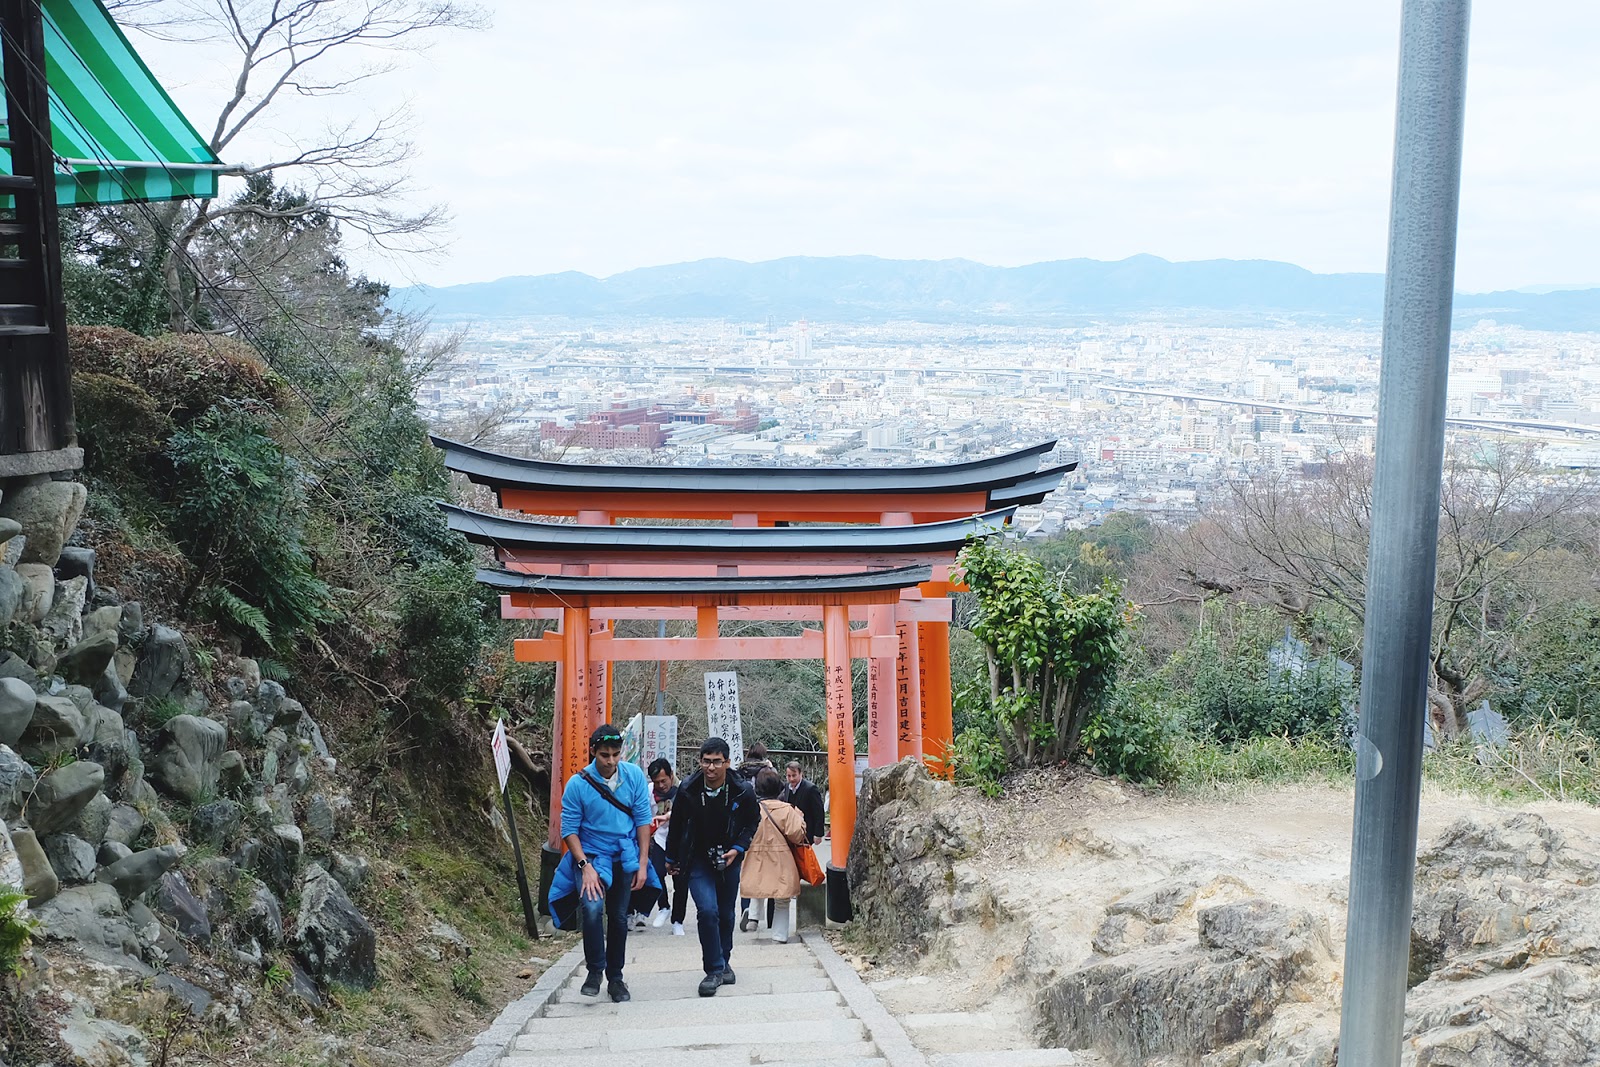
(116, 133)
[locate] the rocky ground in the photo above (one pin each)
(1147, 928)
(200, 869)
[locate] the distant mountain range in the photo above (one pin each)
(868, 289)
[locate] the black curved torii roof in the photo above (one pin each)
(507, 533)
(993, 474)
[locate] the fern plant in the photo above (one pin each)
(230, 608)
(16, 929)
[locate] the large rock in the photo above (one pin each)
(233, 777)
(62, 794)
(48, 512)
(102, 619)
(105, 740)
(17, 780)
(71, 857)
(14, 666)
(334, 940)
(352, 871)
(174, 899)
(12, 591)
(53, 731)
(246, 721)
(186, 761)
(270, 860)
(131, 626)
(38, 592)
(123, 824)
(161, 662)
(39, 879)
(77, 562)
(85, 663)
(93, 916)
(131, 877)
(94, 820)
(263, 917)
(63, 623)
(214, 825)
(10, 863)
(17, 700)
(109, 690)
(319, 821)
(111, 852)
(269, 698)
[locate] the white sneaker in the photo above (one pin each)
(677, 929)
(661, 917)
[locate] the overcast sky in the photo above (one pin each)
(602, 135)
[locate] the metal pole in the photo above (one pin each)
(1405, 519)
(528, 919)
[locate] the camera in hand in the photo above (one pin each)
(718, 857)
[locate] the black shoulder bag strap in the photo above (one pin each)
(608, 794)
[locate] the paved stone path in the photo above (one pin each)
(794, 1005)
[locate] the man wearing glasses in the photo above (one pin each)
(713, 820)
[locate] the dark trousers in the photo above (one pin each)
(680, 888)
(605, 926)
(716, 898)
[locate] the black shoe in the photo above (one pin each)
(746, 924)
(619, 991)
(728, 977)
(591, 985)
(710, 984)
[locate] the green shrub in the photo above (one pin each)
(1134, 737)
(185, 375)
(1237, 680)
(240, 516)
(119, 426)
(16, 929)
(977, 758)
(444, 622)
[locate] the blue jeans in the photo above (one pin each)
(716, 898)
(605, 926)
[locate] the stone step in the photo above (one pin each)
(1022, 1057)
(774, 1007)
(778, 1034)
(686, 957)
(843, 1053)
(758, 981)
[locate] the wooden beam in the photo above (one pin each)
(536, 599)
(931, 610)
(551, 648)
(908, 691)
(777, 506)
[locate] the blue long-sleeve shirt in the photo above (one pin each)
(607, 834)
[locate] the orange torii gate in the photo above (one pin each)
(887, 566)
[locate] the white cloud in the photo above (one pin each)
(610, 135)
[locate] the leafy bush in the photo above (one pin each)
(185, 375)
(1555, 670)
(444, 615)
(977, 758)
(16, 929)
(1134, 736)
(241, 513)
(1244, 678)
(119, 425)
(1266, 760)
(1051, 654)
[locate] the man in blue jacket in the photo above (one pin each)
(606, 814)
(713, 819)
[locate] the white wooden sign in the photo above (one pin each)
(722, 710)
(502, 753)
(659, 740)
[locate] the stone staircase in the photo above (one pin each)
(794, 1005)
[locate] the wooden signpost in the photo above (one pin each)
(502, 769)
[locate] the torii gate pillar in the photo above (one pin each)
(841, 755)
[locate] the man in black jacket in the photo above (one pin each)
(804, 795)
(714, 817)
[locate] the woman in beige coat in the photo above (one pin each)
(769, 868)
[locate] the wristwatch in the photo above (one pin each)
(580, 864)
